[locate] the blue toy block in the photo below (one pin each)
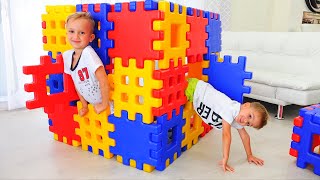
(133, 6)
(101, 33)
(213, 43)
(146, 143)
(310, 127)
(150, 5)
(228, 77)
(55, 82)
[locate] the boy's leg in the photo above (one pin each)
(192, 83)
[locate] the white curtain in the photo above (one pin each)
(21, 43)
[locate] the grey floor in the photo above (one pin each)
(28, 151)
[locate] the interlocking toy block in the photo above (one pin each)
(160, 30)
(306, 133)
(197, 35)
(94, 131)
(62, 124)
(101, 43)
(228, 77)
(38, 86)
(53, 28)
(214, 32)
(54, 81)
(172, 93)
(207, 128)
(133, 89)
(192, 128)
(147, 146)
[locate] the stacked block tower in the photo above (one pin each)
(148, 48)
(305, 145)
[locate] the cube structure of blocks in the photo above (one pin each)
(306, 138)
(148, 49)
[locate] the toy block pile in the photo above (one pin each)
(148, 48)
(305, 145)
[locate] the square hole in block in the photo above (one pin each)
(315, 144)
(125, 80)
(140, 81)
(63, 40)
(98, 124)
(124, 97)
(53, 40)
(88, 135)
(175, 35)
(139, 100)
(99, 138)
(170, 136)
(52, 24)
(87, 121)
(62, 24)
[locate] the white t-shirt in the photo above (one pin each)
(213, 106)
(83, 74)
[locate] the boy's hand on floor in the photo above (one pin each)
(225, 166)
(255, 160)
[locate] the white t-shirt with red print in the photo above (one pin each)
(213, 106)
(83, 74)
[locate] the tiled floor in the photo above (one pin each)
(28, 151)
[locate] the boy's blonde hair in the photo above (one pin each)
(82, 15)
(263, 113)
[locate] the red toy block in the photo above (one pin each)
(197, 35)
(63, 124)
(298, 121)
(295, 137)
(207, 128)
(133, 34)
(38, 86)
(172, 93)
(293, 152)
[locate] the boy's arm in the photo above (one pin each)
(226, 142)
(246, 144)
(104, 87)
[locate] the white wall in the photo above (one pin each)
(267, 15)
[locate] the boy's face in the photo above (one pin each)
(248, 116)
(79, 33)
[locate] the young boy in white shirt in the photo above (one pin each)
(84, 65)
(219, 111)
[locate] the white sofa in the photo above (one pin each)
(285, 65)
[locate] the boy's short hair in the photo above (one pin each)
(263, 113)
(82, 15)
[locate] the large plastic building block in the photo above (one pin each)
(147, 146)
(54, 81)
(306, 133)
(38, 86)
(101, 43)
(53, 28)
(174, 28)
(197, 35)
(132, 32)
(214, 34)
(133, 89)
(192, 128)
(228, 77)
(207, 129)
(172, 93)
(63, 125)
(94, 131)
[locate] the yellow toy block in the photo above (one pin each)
(193, 127)
(93, 130)
(54, 32)
(174, 28)
(133, 89)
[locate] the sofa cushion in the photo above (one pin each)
(285, 80)
(302, 98)
(261, 89)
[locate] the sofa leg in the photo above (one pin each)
(279, 114)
